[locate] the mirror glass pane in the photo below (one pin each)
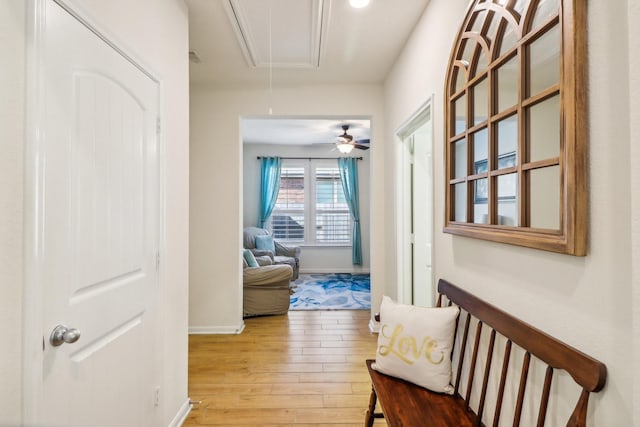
(483, 62)
(520, 5)
(460, 202)
(492, 32)
(467, 53)
(480, 151)
(460, 114)
(546, 9)
(460, 78)
(478, 20)
(509, 38)
(544, 205)
(544, 128)
(508, 199)
(507, 84)
(480, 201)
(460, 160)
(480, 102)
(544, 61)
(508, 142)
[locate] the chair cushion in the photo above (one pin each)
(265, 242)
(263, 260)
(249, 236)
(249, 258)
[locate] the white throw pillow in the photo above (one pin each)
(414, 343)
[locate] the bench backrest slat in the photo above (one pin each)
(463, 348)
(474, 359)
(503, 382)
(487, 370)
(522, 388)
(544, 401)
(586, 371)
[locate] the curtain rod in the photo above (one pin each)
(314, 158)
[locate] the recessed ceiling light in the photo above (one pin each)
(358, 3)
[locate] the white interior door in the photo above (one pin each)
(415, 210)
(422, 215)
(99, 224)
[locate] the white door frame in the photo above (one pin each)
(34, 187)
(404, 261)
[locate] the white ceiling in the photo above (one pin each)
(299, 131)
(357, 46)
(360, 45)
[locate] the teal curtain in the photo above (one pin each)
(348, 167)
(269, 187)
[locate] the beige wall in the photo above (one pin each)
(217, 186)
(11, 159)
(634, 122)
(584, 301)
(138, 31)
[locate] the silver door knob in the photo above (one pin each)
(62, 334)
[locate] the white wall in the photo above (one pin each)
(313, 259)
(216, 174)
(11, 159)
(138, 26)
(584, 301)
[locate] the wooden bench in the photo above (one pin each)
(408, 405)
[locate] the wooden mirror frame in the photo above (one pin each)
(517, 17)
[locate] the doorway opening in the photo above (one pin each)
(311, 209)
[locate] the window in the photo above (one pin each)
(333, 220)
(287, 219)
(516, 125)
(311, 194)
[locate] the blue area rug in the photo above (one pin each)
(340, 291)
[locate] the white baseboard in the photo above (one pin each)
(182, 414)
(374, 326)
(216, 330)
(334, 270)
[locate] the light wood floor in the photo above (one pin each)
(302, 369)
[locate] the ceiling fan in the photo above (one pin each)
(346, 143)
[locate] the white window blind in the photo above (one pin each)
(287, 219)
(333, 220)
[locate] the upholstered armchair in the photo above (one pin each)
(266, 289)
(261, 243)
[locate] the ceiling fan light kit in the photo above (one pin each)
(344, 147)
(346, 143)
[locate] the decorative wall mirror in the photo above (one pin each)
(516, 127)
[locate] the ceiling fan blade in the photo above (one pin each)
(361, 147)
(362, 141)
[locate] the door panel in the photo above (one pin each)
(415, 215)
(422, 216)
(100, 230)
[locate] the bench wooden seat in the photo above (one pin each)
(407, 405)
(412, 402)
